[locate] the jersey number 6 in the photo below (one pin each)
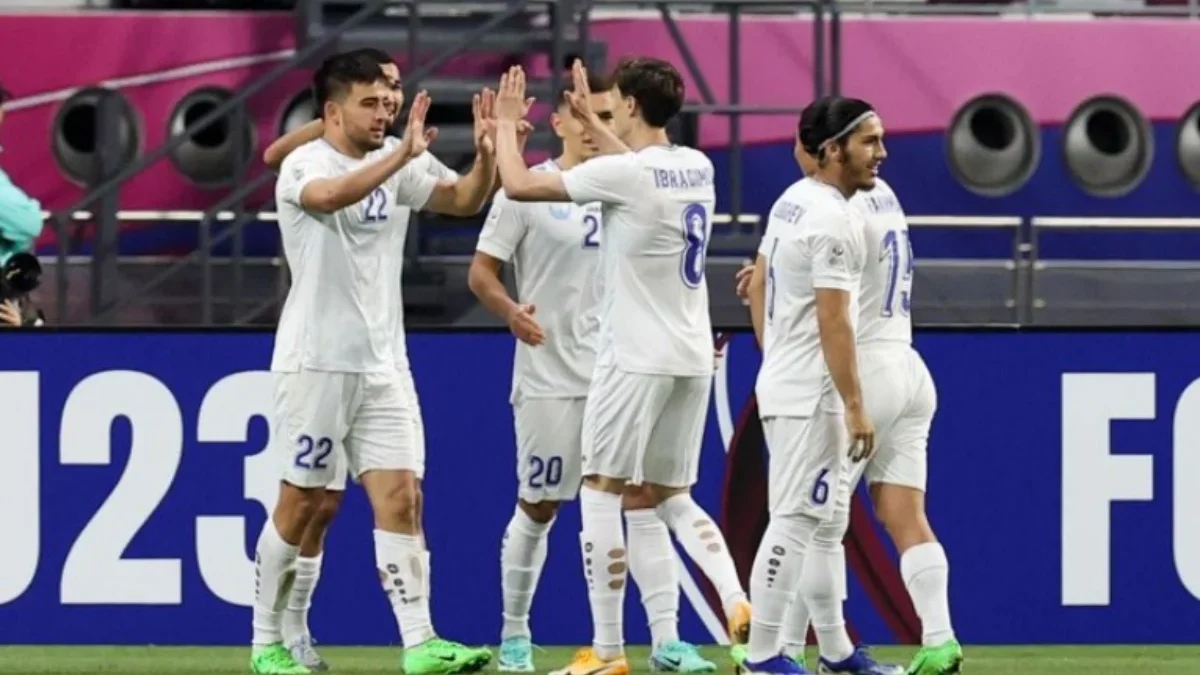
(695, 244)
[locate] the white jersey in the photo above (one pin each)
(886, 295)
(555, 251)
(425, 163)
(886, 292)
(340, 311)
(817, 242)
(657, 207)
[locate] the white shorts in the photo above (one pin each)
(327, 424)
(809, 468)
(549, 456)
(901, 400)
(645, 428)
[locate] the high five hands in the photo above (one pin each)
(487, 110)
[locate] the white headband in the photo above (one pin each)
(849, 127)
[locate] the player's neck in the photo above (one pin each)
(643, 136)
(343, 145)
(833, 182)
(567, 161)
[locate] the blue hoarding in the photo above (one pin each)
(137, 481)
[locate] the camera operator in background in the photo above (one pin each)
(20, 224)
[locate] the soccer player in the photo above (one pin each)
(648, 398)
(554, 248)
(809, 392)
(296, 634)
(901, 401)
(340, 399)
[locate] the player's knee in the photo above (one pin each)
(402, 503)
(541, 512)
(902, 511)
(637, 497)
(328, 508)
(614, 486)
(295, 509)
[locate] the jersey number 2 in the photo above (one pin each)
(695, 244)
(376, 208)
(592, 238)
(897, 249)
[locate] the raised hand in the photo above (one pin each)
(416, 137)
(483, 111)
(511, 104)
(579, 100)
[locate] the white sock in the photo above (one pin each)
(428, 567)
(794, 637)
(400, 560)
(705, 545)
(604, 565)
(795, 628)
(819, 586)
(654, 569)
(295, 618)
(926, 574)
(774, 579)
(273, 575)
(522, 556)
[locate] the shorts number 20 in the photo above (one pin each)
(695, 244)
(545, 472)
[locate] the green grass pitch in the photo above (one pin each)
(362, 660)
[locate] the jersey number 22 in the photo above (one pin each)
(376, 210)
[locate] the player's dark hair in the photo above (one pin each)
(377, 55)
(655, 85)
(830, 118)
(334, 79)
(596, 83)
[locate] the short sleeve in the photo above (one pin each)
(768, 238)
(413, 187)
(503, 229)
(608, 179)
(298, 170)
(440, 171)
(830, 243)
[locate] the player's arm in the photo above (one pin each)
(833, 284)
(502, 234)
(319, 191)
(518, 182)
(756, 295)
(498, 240)
(283, 146)
(466, 195)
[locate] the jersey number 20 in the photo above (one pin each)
(695, 244)
(897, 249)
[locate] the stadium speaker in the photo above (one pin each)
(76, 130)
(211, 156)
(993, 145)
(299, 111)
(1107, 146)
(1187, 145)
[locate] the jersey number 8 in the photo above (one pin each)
(695, 244)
